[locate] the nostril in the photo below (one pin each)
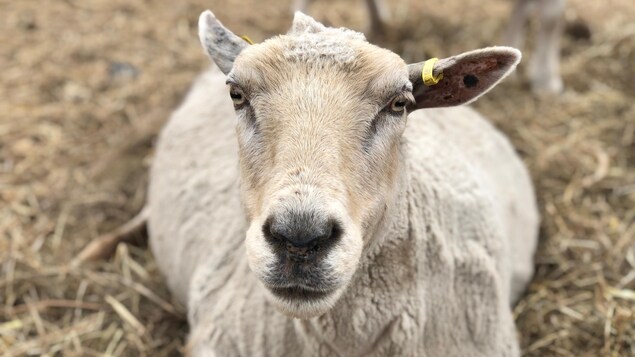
(326, 232)
(328, 229)
(270, 233)
(275, 234)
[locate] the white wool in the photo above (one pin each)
(309, 40)
(311, 47)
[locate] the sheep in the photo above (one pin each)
(544, 68)
(324, 224)
(340, 202)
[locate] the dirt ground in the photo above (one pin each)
(86, 85)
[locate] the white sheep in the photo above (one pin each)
(324, 214)
(544, 67)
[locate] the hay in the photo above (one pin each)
(86, 86)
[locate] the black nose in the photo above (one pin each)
(301, 233)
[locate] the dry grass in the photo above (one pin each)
(87, 84)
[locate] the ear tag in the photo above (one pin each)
(428, 77)
(247, 39)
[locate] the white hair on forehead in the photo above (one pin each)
(309, 41)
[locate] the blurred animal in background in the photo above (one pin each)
(378, 14)
(544, 67)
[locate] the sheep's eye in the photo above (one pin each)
(238, 97)
(398, 104)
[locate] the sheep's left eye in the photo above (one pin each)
(398, 104)
(237, 96)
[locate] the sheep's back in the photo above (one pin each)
(472, 167)
(194, 186)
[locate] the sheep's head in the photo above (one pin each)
(320, 113)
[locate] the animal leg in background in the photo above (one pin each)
(544, 66)
(377, 12)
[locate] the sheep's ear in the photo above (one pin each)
(220, 44)
(463, 78)
(303, 23)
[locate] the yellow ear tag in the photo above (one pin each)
(247, 39)
(428, 77)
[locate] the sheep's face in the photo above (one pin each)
(320, 113)
(319, 147)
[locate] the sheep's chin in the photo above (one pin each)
(305, 309)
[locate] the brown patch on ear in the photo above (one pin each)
(465, 77)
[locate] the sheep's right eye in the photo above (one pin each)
(237, 96)
(398, 104)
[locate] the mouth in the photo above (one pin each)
(299, 293)
(294, 281)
